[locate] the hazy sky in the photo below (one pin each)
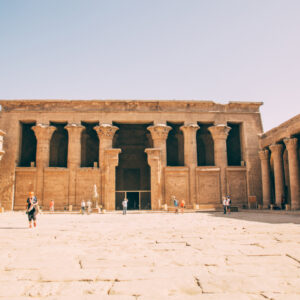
(221, 50)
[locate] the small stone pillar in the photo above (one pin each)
(43, 135)
(159, 135)
(292, 148)
(276, 150)
(265, 176)
(111, 160)
(155, 162)
(190, 157)
(2, 133)
(219, 134)
(105, 133)
(74, 158)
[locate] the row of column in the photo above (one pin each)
(2, 133)
(108, 157)
(293, 163)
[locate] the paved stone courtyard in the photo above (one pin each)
(151, 256)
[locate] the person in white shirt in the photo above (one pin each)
(82, 206)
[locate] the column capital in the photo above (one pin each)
(291, 143)
(106, 131)
(74, 128)
(189, 128)
(159, 131)
(220, 131)
(264, 154)
(43, 131)
(276, 148)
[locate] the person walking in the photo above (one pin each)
(182, 205)
(228, 204)
(89, 206)
(82, 206)
(124, 204)
(51, 206)
(32, 209)
(175, 202)
(224, 202)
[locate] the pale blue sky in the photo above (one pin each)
(221, 50)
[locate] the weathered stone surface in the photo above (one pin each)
(71, 117)
(151, 256)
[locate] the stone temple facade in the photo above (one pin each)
(280, 165)
(146, 151)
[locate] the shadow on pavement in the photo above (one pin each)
(267, 217)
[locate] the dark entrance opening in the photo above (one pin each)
(175, 145)
(59, 146)
(205, 145)
(28, 145)
(133, 171)
(234, 153)
(89, 145)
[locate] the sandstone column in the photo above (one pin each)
(292, 148)
(106, 133)
(155, 162)
(190, 157)
(159, 135)
(74, 158)
(2, 133)
(219, 134)
(43, 135)
(276, 150)
(265, 176)
(111, 160)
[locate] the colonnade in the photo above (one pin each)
(276, 150)
(108, 158)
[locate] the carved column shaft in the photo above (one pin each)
(159, 135)
(219, 134)
(190, 156)
(276, 150)
(292, 148)
(265, 175)
(43, 135)
(111, 160)
(74, 158)
(155, 162)
(105, 133)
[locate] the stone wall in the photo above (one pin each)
(69, 185)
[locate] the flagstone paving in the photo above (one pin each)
(151, 256)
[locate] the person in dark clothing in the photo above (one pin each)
(32, 209)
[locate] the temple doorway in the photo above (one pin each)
(133, 171)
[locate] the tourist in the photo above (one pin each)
(89, 206)
(224, 204)
(82, 206)
(124, 204)
(32, 209)
(182, 205)
(175, 202)
(51, 206)
(228, 203)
